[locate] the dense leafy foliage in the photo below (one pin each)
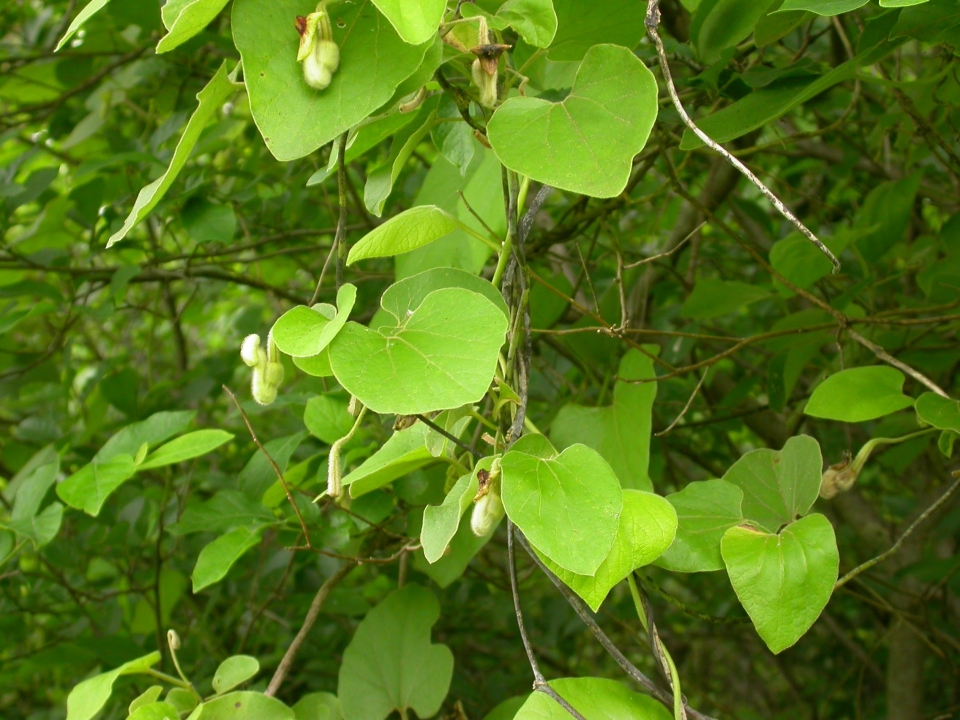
(380, 371)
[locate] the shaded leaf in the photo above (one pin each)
(186, 447)
(859, 394)
(216, 559)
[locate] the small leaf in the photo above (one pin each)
(724, 24)
(705, 511)
(585, 143)
(245, 706)
(391, 665)
(150, 695)
(192, 18)
(712, 298)
(440, 522)
(441, 356)
(155, 711)
(186, 447)
(211, 98)
(89, 10)
(216, 559)
(89, 487)
(540, 496)
(304, 332)
(778, 486)
(225, 511)
(783, 581)
(327, 418)
(154, 430)
(535, 20)
(416, 21)
(943, 413)
(89, 697)
(233, 671)
(859, 394)
(39, 529)
(402, 453)
(647, 527)
(592, 698)
(402, 233)
(317, 706)
(823, 7)
(32, 487)
(183, 700)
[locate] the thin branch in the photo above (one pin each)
(284, 667)
(273, 464)
(539, 682)
(891, 360)
(906, 533)
(686, 407)
(652, 22)
(668, 253)
(449, 436)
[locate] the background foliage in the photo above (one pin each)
(651, 257)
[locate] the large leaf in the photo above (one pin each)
(405, 296)
(859, 394)
(440, 356)
(647, 527)
(621, 431)
(305, 332)
(593, 698)
(535, 20)
(568, 506)
(415, 20)
(293, 118)
(89, 697)
(89, 487)
(585, 143)
(943, 413)
(582, 24)
(317, 706)
(783, 581)
(216, 559)
(186, 447)
(778, 486)
(190, 20)
(823, 7)
(211, 99)
(402, 233)
(391, 665)
(705, 511)
(440, 522)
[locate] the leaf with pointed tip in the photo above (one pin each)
(216, 559)
(186, 447)
(89, 487)
(859, 394)
(89, 697)
(89, 10)
(402, 233)
(304, 332)
(441, 522)
(190, 20)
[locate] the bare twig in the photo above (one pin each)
(449, 436)
(273, 464)
(652, 22)
(686, 407)
(906, 533)
(669, 252)
(539, 682)
(287, 662)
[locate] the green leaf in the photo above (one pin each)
(317, 706)
(402, 233)
(317, 366)
(783, 581)
(391, 665)
(327, 418)
(225, 511)
(155, 711)
(89, 10)
(40, 529)
(943, 413)
(89, 487)
(801, 262)
(705, 511)
(441, 522)
(186, 447)
(885, 216)
(216, 559)
(539, 494)
(582, 24)
(211, 99)
(415, 20)
(191, 19)
(534, 20)
(621, 431)
(725, 24)
(381, 180)
(901, 3)
(778, 486)
(451, 566)
(585, 143)
(508, 709)
(593, 698)
(859, 394)
(208, 222)
(648, 524)
(402, 298)
(440, 356)
(773, 25)
(243, 706)
(306, 332)
(823, 7)
(182, 699)
(293, 118)
(32, 487)
(153, 431)
(89, 697)
(258, 474)
(233, 671)
(713, 297)
(149, 696)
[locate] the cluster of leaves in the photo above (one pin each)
(489, 260)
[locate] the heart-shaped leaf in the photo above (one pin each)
(783, 581)
(705, 511)
(621, 431)
(943, 413)
(294, 118)
(305, 332)
(582, 24)
(416, 20)
(647, 527)
(405, 296)
(243, 706)
(587, 142)
(568, 506)
(859, 394)
(593, 698)
(317, 706)
(439, 356)
(391, 665)
(778, 486)
(534, 20)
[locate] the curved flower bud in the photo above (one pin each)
(250, 351)
(318, 53)
(487, 512)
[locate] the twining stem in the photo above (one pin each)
(645, 613)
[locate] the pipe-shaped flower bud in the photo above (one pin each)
(484, 68)
(318, 53)
(488, 507)
(267, 368)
